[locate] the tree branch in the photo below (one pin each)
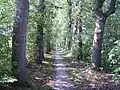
(98, 4)
(69, 2)
(111, 9)
(97, 8)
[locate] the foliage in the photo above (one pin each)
(110, 54)
(114, 57)
(6, 17)
(56, 31)
(5, 56)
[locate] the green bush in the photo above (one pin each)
(5, 56)
(114, 57)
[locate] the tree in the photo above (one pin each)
(80, 41)
(100, 17)
(19, 40)
(49, 15)
(40, 27)
(70, 24)
(79, 29)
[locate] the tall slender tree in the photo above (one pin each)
(40, 27)
(19, 40)
(100, 18)
(80, 40)
(79, 27)
(70, 24)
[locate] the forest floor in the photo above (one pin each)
(40, 77)
(85, 78)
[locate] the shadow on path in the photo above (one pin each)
(61, 78)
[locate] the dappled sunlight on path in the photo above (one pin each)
(61, 78)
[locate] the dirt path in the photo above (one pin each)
(53, 75)
(61, 78)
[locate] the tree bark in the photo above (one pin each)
(80, 40)
(99, 29)
(48, 47)
(40, 27)
(19, 40)
(70, 25)
(97, 42)
(78, 31)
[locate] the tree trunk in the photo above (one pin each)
(48, 47)
(70, 25)
(99, 29)
(40, 27)
(40, 45)
(97, 42)
(80, 40)
(76, 29)
(64, 43)
(19, 40)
